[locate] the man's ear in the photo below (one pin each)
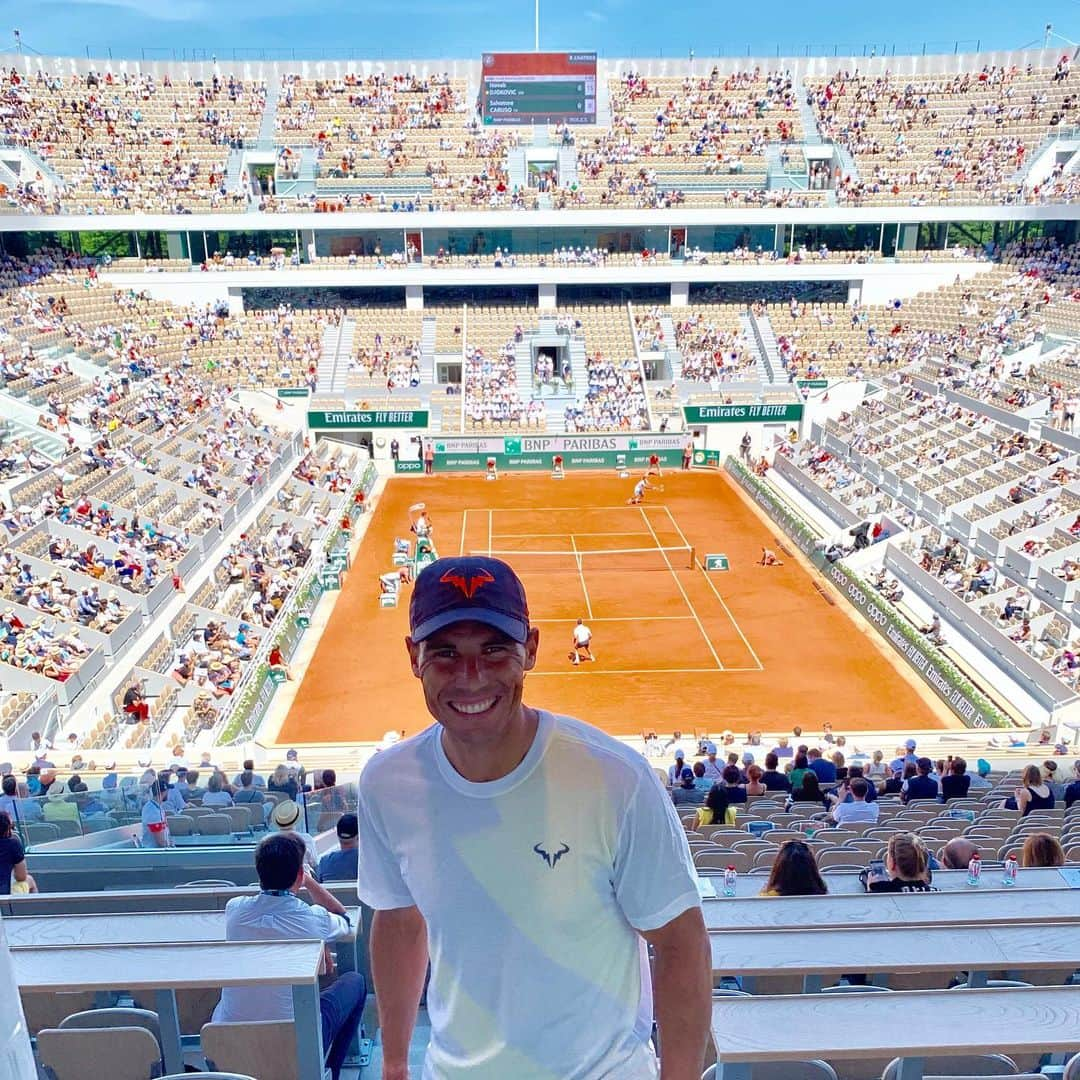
(532, 644)
(414, 655)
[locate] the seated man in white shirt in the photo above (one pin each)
(858, 809)
(277, 913)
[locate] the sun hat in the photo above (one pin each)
(468, 589)
(286, 814)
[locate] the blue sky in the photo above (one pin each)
(464, 28)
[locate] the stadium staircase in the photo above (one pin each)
(326, 374)
(516, 168)
(763, 338)
(808, 115)
(427, 350)
(15, 428)
(23, 163)
(234, 170)
(672, 356)
(568, 173)
(1039, 164)
(268, 125)
(764, 369)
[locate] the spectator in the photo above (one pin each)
(216, 795)
(277, 913)
(135, 707)
(57, 808)
(13, 875)
(955, 784)
(782, 749)
(281, 782)
(733, 783)
(957, 853)
(802, 767)
(155, 826)
(822, 767)
(713, 769)
(876, 769)
(1072, 791)
(674, 772)
(341, 865)
(858, 810)
(286, 817)
(1042, 849)
(794, 872)
(191, 787)
(17, 805)
(1033, 794)
(871, 787)
(754, 785)
(248, 794)
(980, 781)
(907, 865)
(772, 778)
(256, 780)
(810, 792)
(686, 792)
(717, 809)
(921, 785)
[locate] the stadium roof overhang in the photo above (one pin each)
(535, 219)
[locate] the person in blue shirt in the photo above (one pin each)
(342, 865)
(823, 767)
(922, 785)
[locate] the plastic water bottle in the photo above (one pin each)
(1008, 877)
(730, 877)
(974, 870)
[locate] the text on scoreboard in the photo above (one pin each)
(538, 88)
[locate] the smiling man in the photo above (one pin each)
(534, 857)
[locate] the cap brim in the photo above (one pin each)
(510, 625)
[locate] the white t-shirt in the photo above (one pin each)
(582, 635)
(532, 887)
(639, 489)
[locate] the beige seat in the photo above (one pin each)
(123, 1053)
(49, 1010)
(180, 824)
(721, 860)
(216, 825)
(240, 817)
(961, 1065)
(265, 1047)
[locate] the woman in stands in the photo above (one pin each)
(281, 782)
(754, 786)
(216, 795)
(794, 872)
(809, 792)
(800, 769)
(717, 809)
(956, 782)
(1033, 794)
(906, 864)
(1042, 849)
(13, 875)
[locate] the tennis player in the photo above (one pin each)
(582, 644)
(640, 488)
(768, 558)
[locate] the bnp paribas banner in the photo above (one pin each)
(540, 451)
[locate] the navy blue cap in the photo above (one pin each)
(472, 588)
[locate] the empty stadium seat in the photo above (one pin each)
(121, 1053)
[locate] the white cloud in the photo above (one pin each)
(595, 16)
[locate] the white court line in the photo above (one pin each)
(464, 519)
(723, 604)
(508, 536)
(708, 640)
(581, 575)
(490, 513)
(553, 509)
(577, 673)
(627, 618)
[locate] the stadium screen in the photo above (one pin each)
(538, 88)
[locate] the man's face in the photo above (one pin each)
(473, 676)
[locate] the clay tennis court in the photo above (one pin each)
(676, 647)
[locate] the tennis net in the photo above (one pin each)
(625, 560)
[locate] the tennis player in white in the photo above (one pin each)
(533, 857)
(582, 644)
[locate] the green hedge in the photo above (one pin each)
(936, 670)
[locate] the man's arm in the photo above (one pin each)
(682, 989)
(321, 896)
(399, 957)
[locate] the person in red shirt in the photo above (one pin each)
(277, 665)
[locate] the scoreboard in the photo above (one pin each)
(538, 88)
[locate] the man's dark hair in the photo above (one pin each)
(924, 765)
(192, 777)
(813, 752)
(731, 774)
(771, 761)
(247, 778)
(329, 778)
(279, 859)
(11, 785)
(859, 787)
(249, 764)
(796, 731)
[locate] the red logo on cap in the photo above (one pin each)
(471, 585)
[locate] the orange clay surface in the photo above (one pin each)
(675, 648)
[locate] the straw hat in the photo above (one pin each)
(286, 814)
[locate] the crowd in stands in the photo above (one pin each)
(614, 400)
